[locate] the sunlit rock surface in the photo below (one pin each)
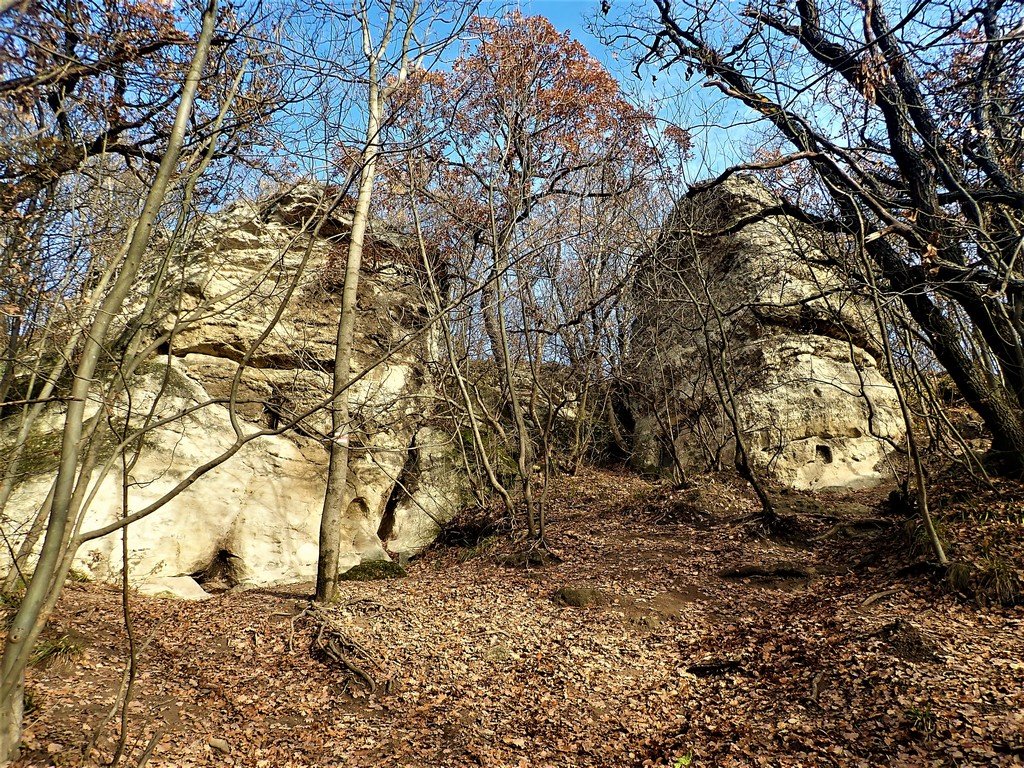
(254, 313)
(794, 343)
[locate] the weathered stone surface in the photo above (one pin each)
(737, 276)
(178, 587)
(435, 489)
(259, 305)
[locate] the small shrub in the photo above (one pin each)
(57, 650)
(579, 597)
(992, 580)
(922, 720)
(920, 542)
(999, 582)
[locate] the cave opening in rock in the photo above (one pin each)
(222, 573)
(273, 407)
(823, 453)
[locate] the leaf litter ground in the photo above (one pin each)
(831, 659)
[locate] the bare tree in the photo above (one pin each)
(29, 619)
(391, 46)
(537, 128)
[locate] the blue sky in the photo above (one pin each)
(567, 14)
(686, 104)
(570, 15)
(670, 98)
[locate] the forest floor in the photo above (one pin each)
(672, 651)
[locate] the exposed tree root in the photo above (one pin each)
(530, 554)
(878, 596)
(778, 571)
(335, 647)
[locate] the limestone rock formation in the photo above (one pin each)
(252, 319)
(743, 297)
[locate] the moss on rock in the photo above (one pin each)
(374, 570)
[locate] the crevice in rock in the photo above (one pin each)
(399, 491)
(808, 321)
(229, 352)
(273, 407)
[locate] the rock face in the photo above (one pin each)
(744, 298)
(252, 323)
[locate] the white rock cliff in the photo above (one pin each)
(799, 347)
(234, 368)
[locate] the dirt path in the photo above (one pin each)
(837, 663)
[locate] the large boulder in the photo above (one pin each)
(252, 321)
(742, 297)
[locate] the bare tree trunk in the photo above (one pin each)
(920, 481)
(335, 503)
(720, 365)
(524, 446)
(46, 580)
(460, 379)
(337, 473)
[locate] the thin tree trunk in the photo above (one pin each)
(337, 472)
(920, 480)
(460, 379)
(29, 619)
(1002, 419)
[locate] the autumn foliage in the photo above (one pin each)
(530, 116)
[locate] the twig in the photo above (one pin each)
(815, 689)
(154, 740)
(878, 596)
(332, 643)
(291, 633)
(368, 601)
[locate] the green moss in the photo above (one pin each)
(173, 382)
(41, 454)
(374, 570)
(579, 597)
